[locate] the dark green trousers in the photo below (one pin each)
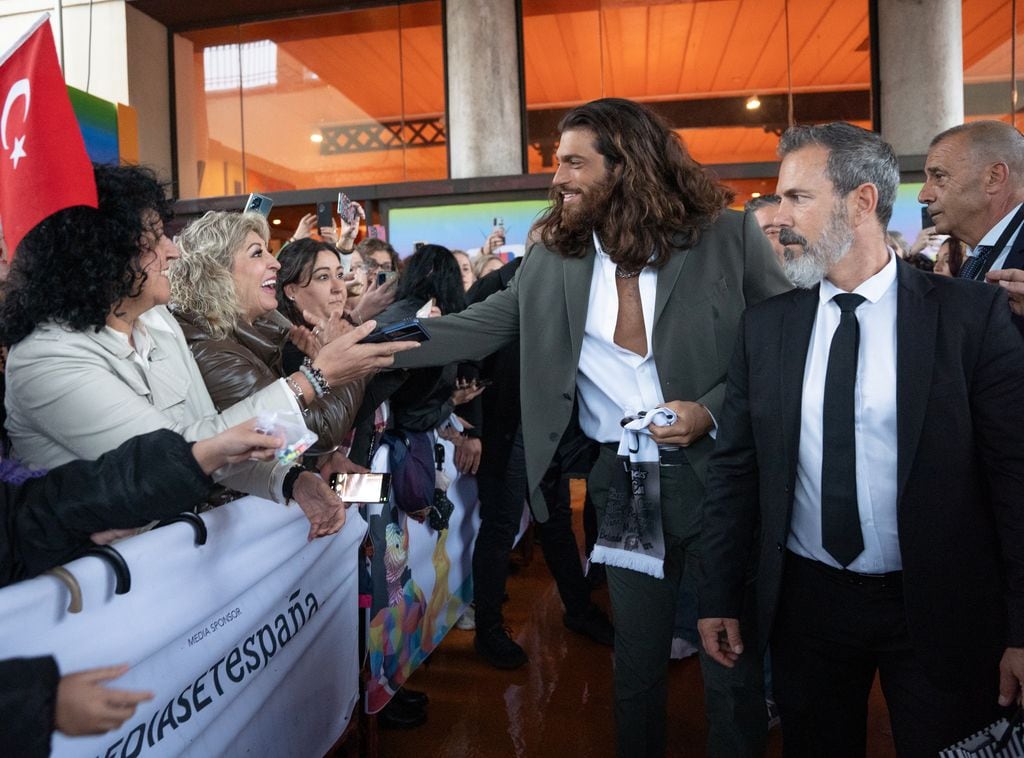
(644, 615)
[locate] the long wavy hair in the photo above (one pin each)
(201, 282)
(433, 272)
(661, 198)
(297, 260)
(78, 263)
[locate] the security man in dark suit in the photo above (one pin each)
(974, 189)
(870, 459)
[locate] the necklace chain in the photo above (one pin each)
(623, 274)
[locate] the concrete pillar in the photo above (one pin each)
(484, 119)
(921, 62)
(148, 88)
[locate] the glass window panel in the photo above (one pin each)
(699, 63)
(988, 37)
(336, 100)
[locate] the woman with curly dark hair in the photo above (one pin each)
(95, 358)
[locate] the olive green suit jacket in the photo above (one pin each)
(701, 293)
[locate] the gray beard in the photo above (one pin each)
(808, 268)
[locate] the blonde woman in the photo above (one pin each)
(224, 295)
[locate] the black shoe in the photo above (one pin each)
(413, 698)
(592, 623)
(397, 715)
(496, 647)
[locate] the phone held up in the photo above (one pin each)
(347, 209)
(258, 203)
(324, 219)
(361, 488)
(383, 277)
(400, 331)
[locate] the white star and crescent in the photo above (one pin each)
(20, 88)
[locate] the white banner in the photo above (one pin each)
(250, 642)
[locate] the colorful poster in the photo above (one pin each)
(463, 227)
(249, 642)
(423, 581)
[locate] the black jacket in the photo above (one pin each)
(28, 698)
(959, 403)
(47, 521)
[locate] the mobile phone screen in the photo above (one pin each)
(361, 488)
(346, 209)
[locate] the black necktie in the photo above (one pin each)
(840, 519)
(975, 263)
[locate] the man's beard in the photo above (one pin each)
(585, 214)
(808, 268)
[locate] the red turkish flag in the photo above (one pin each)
(43, 163)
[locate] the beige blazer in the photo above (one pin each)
(78, 394)
(701, 293)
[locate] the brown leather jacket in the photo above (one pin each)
(249, 359)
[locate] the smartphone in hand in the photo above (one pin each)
(400, 331)
(258, 203)
(347, 209)
(361, 488)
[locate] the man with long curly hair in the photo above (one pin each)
(631, 300)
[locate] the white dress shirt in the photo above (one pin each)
(613, 382)
(992, 237)
(874, 427)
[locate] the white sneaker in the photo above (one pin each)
(467, 621)
(681, 649)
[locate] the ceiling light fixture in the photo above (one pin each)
(753, 103)
(276, 222)
(317, 137)
(752, 194)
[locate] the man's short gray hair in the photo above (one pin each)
(855, 157)
(991, 142)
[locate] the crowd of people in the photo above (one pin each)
(797, 443)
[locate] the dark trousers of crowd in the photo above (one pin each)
(501, 509)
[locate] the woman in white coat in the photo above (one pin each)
(96, 358)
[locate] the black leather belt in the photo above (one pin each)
(890, 579)
(676, 457)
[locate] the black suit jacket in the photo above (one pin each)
(1015, 259)
(960, 443)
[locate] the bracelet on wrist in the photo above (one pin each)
(288, 485)
(315, 377)
(300, 396)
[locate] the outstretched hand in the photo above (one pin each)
(239, 443)
(305, 228)
(345, 358)
(323, 508)
(85, 706)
